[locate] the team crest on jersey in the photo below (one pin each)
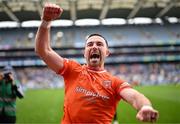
(107, 83)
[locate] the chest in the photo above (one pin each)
(95, 81)
(92, 86)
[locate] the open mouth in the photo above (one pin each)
(94, 56)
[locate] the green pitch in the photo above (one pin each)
(46, 106)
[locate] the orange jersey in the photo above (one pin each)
(90, 96)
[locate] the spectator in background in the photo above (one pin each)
(115, 119)
(8, 93)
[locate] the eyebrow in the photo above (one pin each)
(95, 42)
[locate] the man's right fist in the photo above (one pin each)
(51, 12)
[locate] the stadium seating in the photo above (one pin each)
(75, 36)
(36, 78)
(136, 74)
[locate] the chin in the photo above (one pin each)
(95, 64)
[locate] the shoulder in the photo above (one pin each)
(69, 66)
(118, 79)
(71, 62)
(119, 82)
(114, 78)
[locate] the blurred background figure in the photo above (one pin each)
(115, 119)
(9, 90)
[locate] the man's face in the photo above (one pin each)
(95, 51)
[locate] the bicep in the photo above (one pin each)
(53, 60)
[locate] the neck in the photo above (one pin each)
(96, 68)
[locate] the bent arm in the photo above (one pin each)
(44, 50)
(42, 45)
(146, 113)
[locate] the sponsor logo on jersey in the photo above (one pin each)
(86, 92)
(107, 83)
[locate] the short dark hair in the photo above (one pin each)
(95, 34)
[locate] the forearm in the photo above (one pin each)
(140, 100)
(43, 39)
(133, 97)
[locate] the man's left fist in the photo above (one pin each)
(147, 114)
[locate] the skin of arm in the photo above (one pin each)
(146, 112)
(42, 40)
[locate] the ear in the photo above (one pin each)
(107, 52)
(84, 53)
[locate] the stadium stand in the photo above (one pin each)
(142, 54)
(36, 78)
(74, 36)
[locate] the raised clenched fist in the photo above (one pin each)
(51, 12)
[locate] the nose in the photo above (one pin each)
(95, 47)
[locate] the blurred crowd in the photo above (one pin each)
(148, 74)
(135, 74)
(74, 37)
(37, 78)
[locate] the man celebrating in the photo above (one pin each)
(91, 93)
